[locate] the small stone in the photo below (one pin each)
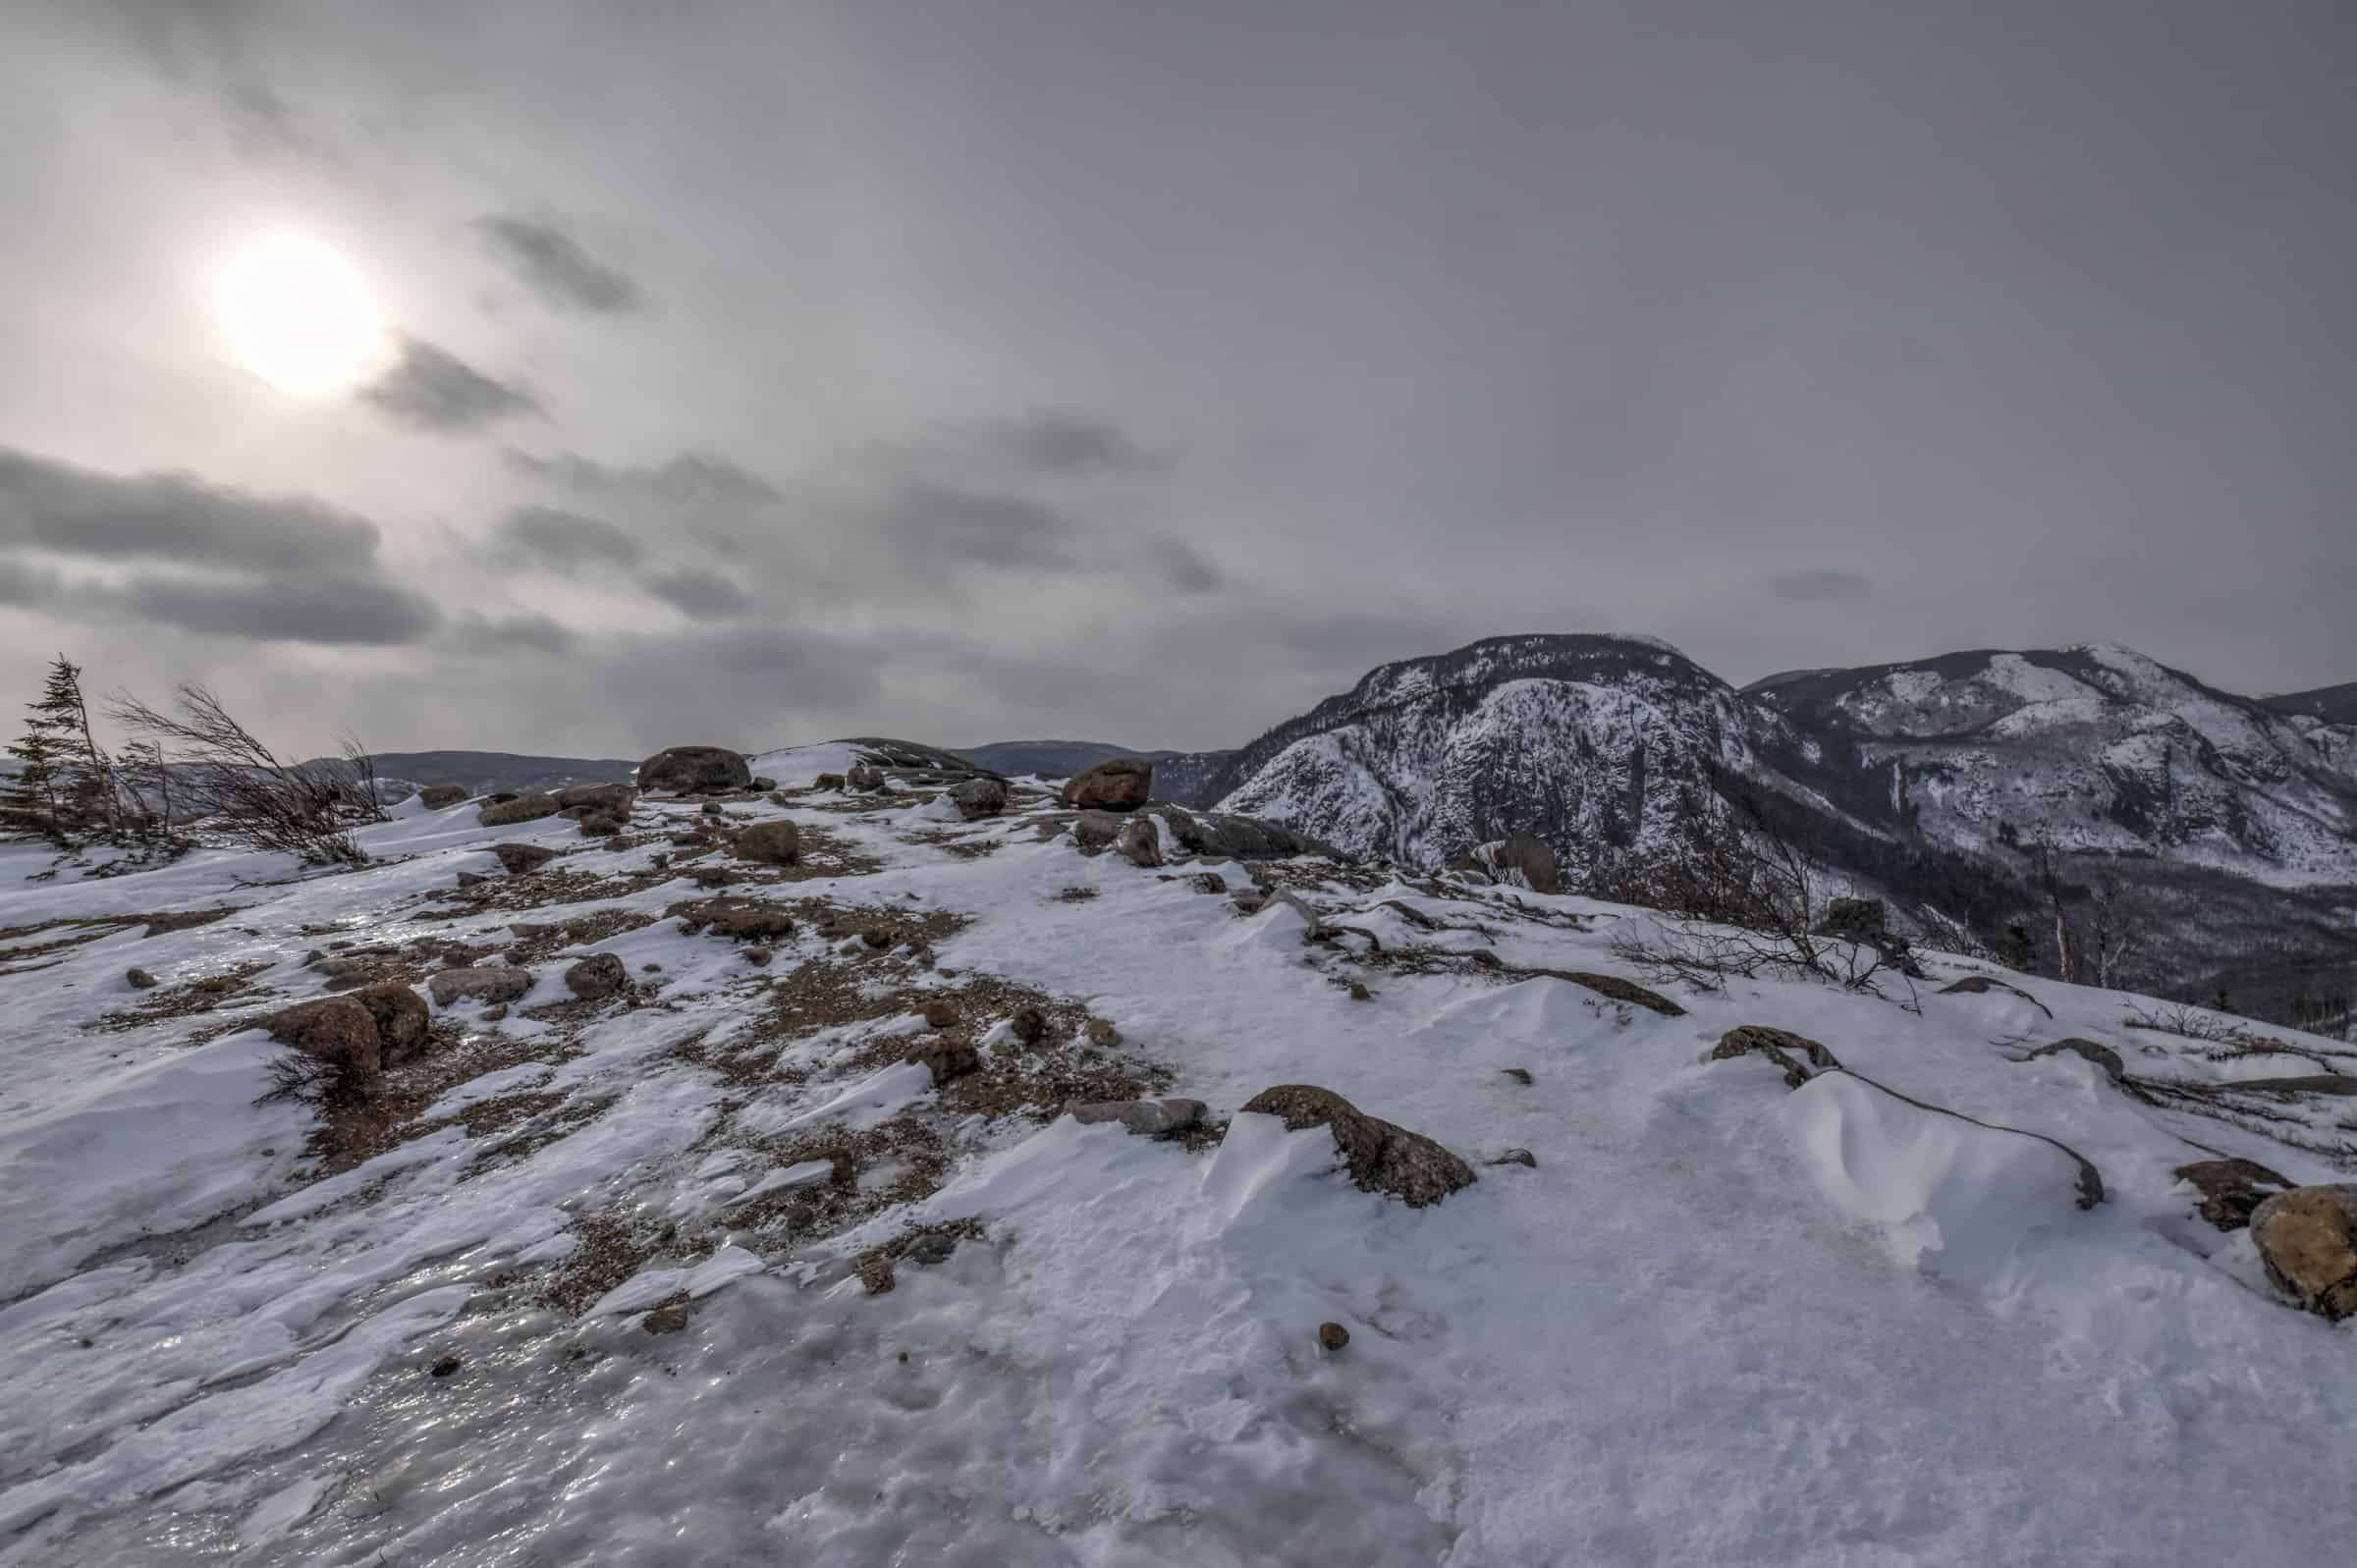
(495, 1012)
(140, 980)
(1518, 1074)
(1359, 991)
(758, 958)
(1517, 1157)
(1030, 1025)
(1103, 1033)
(446, 1365)
(941, 1014)
(1332, 1337)
(878, 937)
(667, 1319)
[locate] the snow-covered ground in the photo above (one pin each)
(1720, 1320)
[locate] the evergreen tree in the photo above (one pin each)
(65, 778)
(30, 800)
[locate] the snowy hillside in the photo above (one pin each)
(700, 1267)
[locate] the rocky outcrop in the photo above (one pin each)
(771, 844)
(1095, 831)
(1117, 783)
(2308, 1240)
(695, 770)
(1381, 1156)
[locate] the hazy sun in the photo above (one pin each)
(299, 315)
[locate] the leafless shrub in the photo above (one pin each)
(227, 774)
(2189, 1023)
(305, 1079)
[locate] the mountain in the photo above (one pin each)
(487, 772)
(2333, 704)
(1929, 783)
(731, 1237)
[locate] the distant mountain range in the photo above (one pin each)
(482, 773)
(2333, 704)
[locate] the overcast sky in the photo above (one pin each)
(990, 368)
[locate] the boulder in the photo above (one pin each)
(520, 858)
(694, 770)
(2102, 1056)
(739, 919)
(523, 808)
(977, 798)
(1095, 831)
(453, 986)
(614, 799)
(403, 1024)
(1117, 783)
(1381, 1158)
(2232, 1189)
(866, 776)
(336, 1029)
(2308, 1240)
(772, 843)
(435, 797)
(946, 1060)
(596, 977)
(762, 781)
(1139, 841)
(1147, 1117)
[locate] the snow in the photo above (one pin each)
(1719, 1321)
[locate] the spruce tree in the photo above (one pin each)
(66, 778)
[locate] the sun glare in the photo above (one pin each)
(298, 313)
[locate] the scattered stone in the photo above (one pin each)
(447, 1366)
(1779, 1046)
(1381, 1157)
(596, 977)
(1117, 783)
(336, 1029)
(1101, 1032)
(977, 798)
(667, 1319)
(479, 985)
(693, 770)
(1517, 1157)
(1332, 1337)
(1138, 841)
(1150, 1119)
(435, 797)
(942, 1014)
(521, 808)
(2308, 1240)
(758, 958)
(404, 1027)
(2232, 1189)
(1520, 1075)
(520, 858)
(2102, 1056)
(1030, 1025)
(946, 1058)
(140, 980)
(1359, 991)
(773, 843)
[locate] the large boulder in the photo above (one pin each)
(1381, 1158)
(335, 1029)
(478, 984)
(695, 770)
(434, 798)
(400, 1018)
(772, 843)
(1117, 783)
(521, 808)
(2308, 1240)
(1218, 835)
(977, 798)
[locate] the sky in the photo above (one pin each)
(981, 369)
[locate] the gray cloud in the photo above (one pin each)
(432, 389)
(979, 527)
(55, 505)
(1821, 585)
(507, 633)
(698, 593)
(1184, 568)
(688, 478)
(353, 612)
(1060, 443)
(563, 541)
(552, 263)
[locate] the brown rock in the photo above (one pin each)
(335, 1029)
(666, 1319)
(1332, 1337)
(613, 799)
(694, 770)
(495, 1012)
(739, 919)
(598, 825)
(403, 1023)
(2231, 1188)
(596, 977)
(942, 1014)
(758, 958)
(879, 937)
(140, 980)
(2308, 1240)
(774, 844)
(977, 798)
(1030, 1025)
(520, 858)
(1117, 783)
(1103, 1033)
(945, 1058)
(435, 797)
(523, 808)
(1381, 1157)
(827, 781)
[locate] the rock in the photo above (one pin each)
(762, 781)
(941, 1014)
(1147, 1117)
(1138, 841)
(666, 1319)
(865, 777)
(1517, 1157)
(879, 938)
(1532, 858)
(1248, 900)
(597, 825)
(472, 878)
(404, 1026)
(2308, 1240)
(1095, 831)
(1103, 1033)
(946, 1058)
(1383, 1158)
(713, 808)
(739, 919)
(523, 808)
(444, 1367)
(499, 797)
(714, 876)
(772, 843)
(2231, 1188)
(453, 986)
(1117, 783)
(140, 980)
(2102, 1056)
(436, 798)
(1520, 1075)
(1779, 1046)
(597, 977)
(758, 958)
(694, 770)
(1030, 1025)
(495, 1012)
(613, 799)
(335, 1029)
(1857, 919)
(977, 798)
(827, 781)
(1332, 1337)
(1218, 835)
(1359, 991)
(1210, 882)
(520, 858)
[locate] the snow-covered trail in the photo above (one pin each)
(1717, 1322)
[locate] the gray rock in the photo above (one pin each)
(1138, 841)
(977, 798)
(615, 800)
(2308, 1240)
(596, 977)
(1147, 1117)
(1381, 1157)
(694, 770)
(140, 980)
(478, 984)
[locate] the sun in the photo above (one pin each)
(298, 313)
